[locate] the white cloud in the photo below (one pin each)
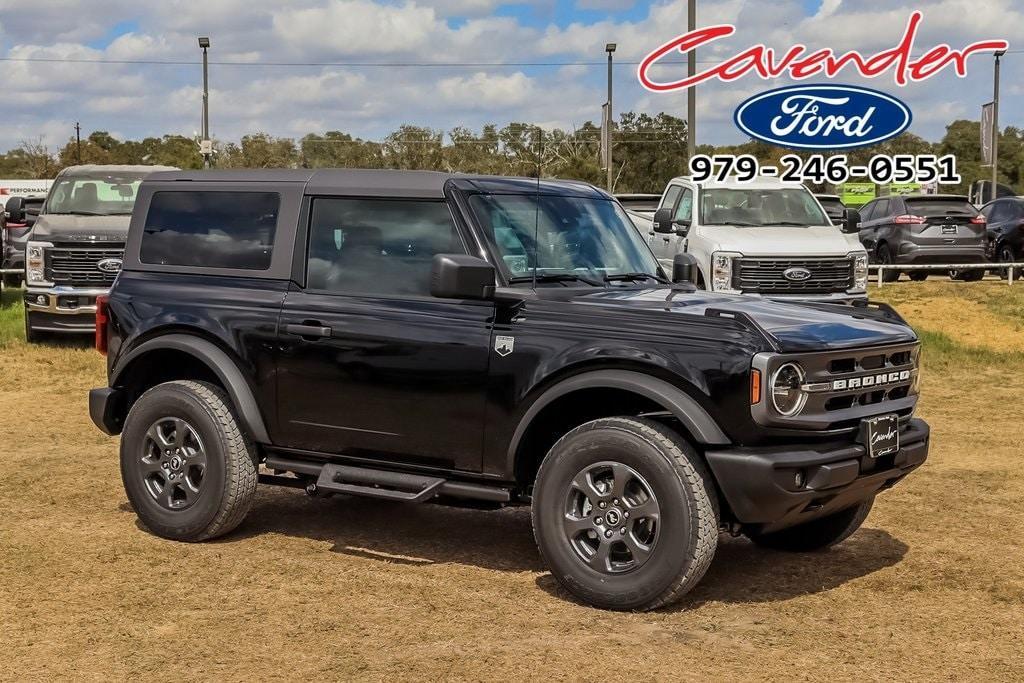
(146, 100)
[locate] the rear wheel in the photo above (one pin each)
(1005, 255)
(188, 469)
(885, 258)
(625, 514)
(819, 534)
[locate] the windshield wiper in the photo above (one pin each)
(738, 224)
(556, 277)
(78, 213)
(796, 223)
(634, 277)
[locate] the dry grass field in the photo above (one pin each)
(931, 588)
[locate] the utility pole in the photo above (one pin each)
(691, 97)
(995, 127)
(609, 48)
(205, 145)
(78, 143)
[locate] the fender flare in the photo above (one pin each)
(676, 401)
(219, 362)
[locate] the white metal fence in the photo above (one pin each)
(946, 267)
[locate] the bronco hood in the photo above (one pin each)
(57, 227)
(790, 327)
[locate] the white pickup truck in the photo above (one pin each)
(764, 238)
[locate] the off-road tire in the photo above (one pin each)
(229, 482)
(818, 534)
(688, 521)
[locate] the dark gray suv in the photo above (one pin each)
(923, 229)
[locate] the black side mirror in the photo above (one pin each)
(663, 221)
(682, 227)
(684, 268)
(851, 221)
(460, 276)
(15, 209)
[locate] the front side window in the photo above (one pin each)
(211, 229)
(671, 195)
(760, 207)
(562, 236)
(99, 195)
(378, 246)
(684, 210)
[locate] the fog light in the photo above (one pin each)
(798, 479)
(41, 299)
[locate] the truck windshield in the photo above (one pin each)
(567, 239)
(754, 207)
(99, 195)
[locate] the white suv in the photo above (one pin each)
(765, 238)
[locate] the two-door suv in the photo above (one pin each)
(487, 341)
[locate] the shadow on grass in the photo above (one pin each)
(743, 573)
(503, 540)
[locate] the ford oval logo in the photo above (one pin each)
(109, 265)
(823, 117)
(797, 274)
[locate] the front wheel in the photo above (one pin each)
(973, 275)
(32, 335)
(818, 534)
(918, 275)
(1005, 255)
(188, 469)
(625, 514)
(885, 258)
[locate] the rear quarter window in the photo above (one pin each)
(211, 229)
(940, 207)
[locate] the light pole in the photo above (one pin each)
(205, 146)
(995, 126)
(609, 48)
(691, 97)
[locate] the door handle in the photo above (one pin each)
(311, 331)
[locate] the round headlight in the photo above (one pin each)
(787, 395)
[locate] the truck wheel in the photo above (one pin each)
(625, 514)
(918, 275)
(12, 280)
(188, 469)
(32, 336)
(819, 534)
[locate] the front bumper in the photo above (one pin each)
(62, 309)
(760, 483)
(916, 254)
(835, 298)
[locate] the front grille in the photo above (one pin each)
(766, 275)
(78, 266)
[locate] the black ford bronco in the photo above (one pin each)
(486, 341)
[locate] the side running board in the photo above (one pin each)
(397, 486)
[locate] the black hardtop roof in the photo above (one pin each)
(384, 182)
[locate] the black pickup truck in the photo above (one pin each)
(487, 341)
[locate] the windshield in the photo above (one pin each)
(563, 237)
(753, 207)
(99, 195)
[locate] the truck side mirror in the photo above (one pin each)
(684, 268)
(682, 227)
(460, 276)
(851, 221)
(663, 221)
(15, 210)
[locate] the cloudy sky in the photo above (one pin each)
(296, 66)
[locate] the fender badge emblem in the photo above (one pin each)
(504, 345)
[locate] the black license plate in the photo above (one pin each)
(880, 435)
